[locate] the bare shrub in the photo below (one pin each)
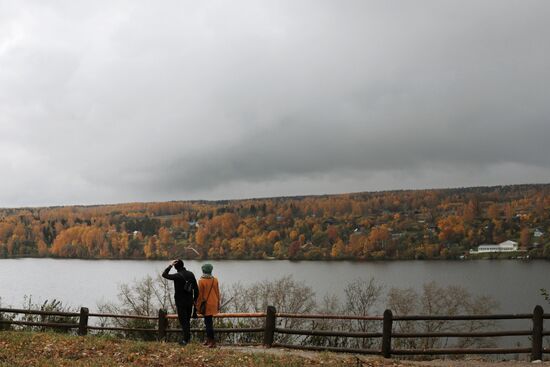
(329, 305)
(404, 302)
(439, 300)
(286, 294)
(46, 306)
(5, 317)
(146, 296)
(141, 298)
(363, 299)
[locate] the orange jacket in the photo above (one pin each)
(213, 302)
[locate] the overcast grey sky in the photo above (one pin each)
(115, 101)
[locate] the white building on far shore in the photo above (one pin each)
(506, 246)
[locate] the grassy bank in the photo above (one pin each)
(51, 349)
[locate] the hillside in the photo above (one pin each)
(413, 224)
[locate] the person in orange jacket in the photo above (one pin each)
(208, 302)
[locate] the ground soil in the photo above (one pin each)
(19, 348)
(378, 361)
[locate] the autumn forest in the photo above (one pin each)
(414, 224)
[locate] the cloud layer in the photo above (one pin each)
(113, 101)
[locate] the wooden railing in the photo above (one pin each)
(270, 329)
(83, 326)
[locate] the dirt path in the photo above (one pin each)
(361, 360)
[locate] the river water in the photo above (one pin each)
(514, 284)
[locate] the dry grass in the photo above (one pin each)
(51, 349)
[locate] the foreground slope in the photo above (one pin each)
(50, 349)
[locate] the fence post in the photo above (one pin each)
(83, 321)
(163, 324)
(270, 323)
(386, 333)
(538, 318)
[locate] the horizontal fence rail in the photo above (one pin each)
(460, 351)
(328, 317)
(228, 315)
(479, 334)
(222, 330)
(328, 349)
(36, 312)
(270, 329)
(523, 316)
(42, 324)
(134, 317)
(348, 334)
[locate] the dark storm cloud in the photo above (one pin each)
(117, 101)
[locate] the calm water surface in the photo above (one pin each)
(514, 284)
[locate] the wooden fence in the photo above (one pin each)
(270, 329)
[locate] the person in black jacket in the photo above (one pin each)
(186, 294)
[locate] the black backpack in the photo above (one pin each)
(188, 286)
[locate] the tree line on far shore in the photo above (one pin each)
(412, 224)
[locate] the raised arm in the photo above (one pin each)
(168, 276)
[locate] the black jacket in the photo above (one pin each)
(180, 278)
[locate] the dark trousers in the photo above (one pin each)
(184, 309)
(209, 325)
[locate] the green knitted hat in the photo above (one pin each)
(207, 268)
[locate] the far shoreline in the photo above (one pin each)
(274, 260)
